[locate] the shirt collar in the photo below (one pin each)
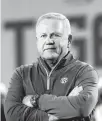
(67, 59)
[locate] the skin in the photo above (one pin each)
(52, 39)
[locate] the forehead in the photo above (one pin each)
(50, 25)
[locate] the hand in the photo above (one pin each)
(52, 117)
(76, 91)
(26, 100)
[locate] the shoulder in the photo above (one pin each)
(23, 69)
(86, 69)
(83, 65)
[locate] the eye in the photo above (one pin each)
(43, 35)
(55, 35)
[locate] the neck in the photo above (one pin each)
(52, 62)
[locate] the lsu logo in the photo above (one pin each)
(64, 80)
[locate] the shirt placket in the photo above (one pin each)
(49, 74)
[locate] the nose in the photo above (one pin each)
(50, 41)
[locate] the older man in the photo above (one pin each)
(57, 86)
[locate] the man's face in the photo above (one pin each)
(52, 40)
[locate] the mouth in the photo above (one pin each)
(49, 49)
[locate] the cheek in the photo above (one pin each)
(63, 43)
(59, 48)
(40, 46)
(63, 46)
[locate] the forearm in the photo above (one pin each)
(60, 107)
(68, 107)
(15, 111)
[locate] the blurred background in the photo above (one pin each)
(18, 41)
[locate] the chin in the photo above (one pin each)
(50, 57)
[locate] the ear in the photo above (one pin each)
(69, 38)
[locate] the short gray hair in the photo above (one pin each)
(56, 16)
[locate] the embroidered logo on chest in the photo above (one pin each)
(64, 80)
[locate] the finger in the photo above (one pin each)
(76, 91)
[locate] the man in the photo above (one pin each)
(57, 86)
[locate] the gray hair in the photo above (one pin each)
(56, 16)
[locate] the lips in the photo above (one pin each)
(50, 48)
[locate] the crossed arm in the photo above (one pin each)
(14, 109)
(73, 105)
(62, 107)
(52, 117)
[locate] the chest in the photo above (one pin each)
(60, 83)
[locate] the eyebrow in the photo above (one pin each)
(42, 33)
(57, 33)
(52, 33)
